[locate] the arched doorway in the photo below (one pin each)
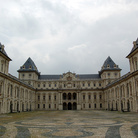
(17, 107)
(64, 106)
(74, 106)
(116, 107)
(11, 107)
(30, 107)
(69, 106)
(128, 106)
(22, 107)
(121, 106)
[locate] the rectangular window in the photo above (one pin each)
(94, 105)
(100, 105)
(43, 105)
(89, 105)
(44, 98)
(38, 106)
(38, 98)
(55, 98)
(83, 97)
(49, 106)
(89, 97)
(95, 97)
(49, 85)
(100, 97)
(88, 84)
(49, 97)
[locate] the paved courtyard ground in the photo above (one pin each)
(69, 124)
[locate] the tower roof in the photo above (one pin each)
(2, 50)
(135, 43)
(29, 65)
(109, 64)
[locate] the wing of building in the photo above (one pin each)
(106, 90)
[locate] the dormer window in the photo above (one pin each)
(23, 67)
(30, 67)
(108, 66)
(114, 65)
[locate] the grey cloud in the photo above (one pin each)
(48, 29)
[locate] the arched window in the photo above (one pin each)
(69, 96)
(64, 96)
(74, 96)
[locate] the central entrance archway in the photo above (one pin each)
(69, 106)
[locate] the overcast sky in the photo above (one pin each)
(68, 35)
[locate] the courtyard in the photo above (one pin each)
(69, 124)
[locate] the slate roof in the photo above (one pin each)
(29, 65)
(89, 76)
(3, 51)
(134, 47)
(109, 65)
(49, 77)
(81, 76)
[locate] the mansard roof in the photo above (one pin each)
(3, 51)
(80, 76)
(134, 47)
(109, 64)
(29, 65)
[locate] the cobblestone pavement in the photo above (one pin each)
(69, 124)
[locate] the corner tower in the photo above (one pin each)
(28, 72)
(133, 57)
(109, 71)
(4, 60)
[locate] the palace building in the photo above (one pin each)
(107, 90)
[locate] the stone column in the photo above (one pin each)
(60, 103)
(78, 101)
(47, 106)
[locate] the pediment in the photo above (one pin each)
(69, 76)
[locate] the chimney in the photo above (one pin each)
(134, 43)
(2, 48)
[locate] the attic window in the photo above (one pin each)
(23, 67)
(114, 65)
(108, 66)
(30, 67)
